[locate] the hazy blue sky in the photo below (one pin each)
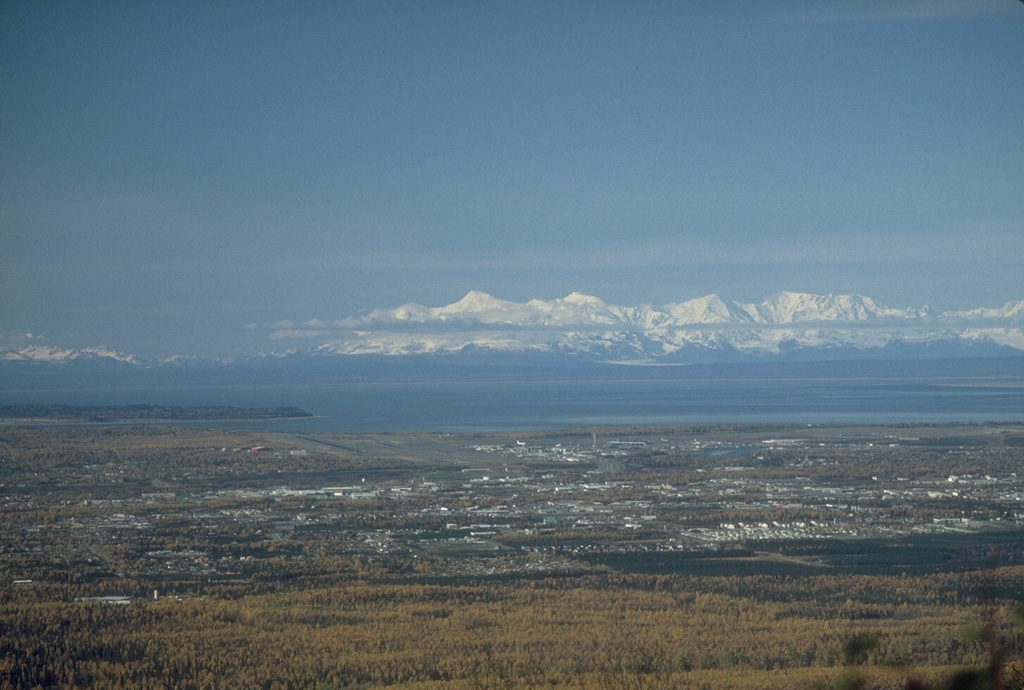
(176, 177)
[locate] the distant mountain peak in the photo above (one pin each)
(476, 302)
(475, 298)
(581, 298)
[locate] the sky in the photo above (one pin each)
(178, 177)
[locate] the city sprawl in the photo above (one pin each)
(907, 534)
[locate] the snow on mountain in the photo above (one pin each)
(580, 324)
(796, 307)
(38, 353)
(51, 354)
(710, 309)
(578, 308)
(407, 312)
(584, 324)
(483, 308)
(1007, 311)
(107, 353)
(1007, 337)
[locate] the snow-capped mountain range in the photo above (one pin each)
(52, 354)
(786, 325)
(583, 324)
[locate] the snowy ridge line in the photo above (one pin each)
(583, 324)
(577, 309)
(788, 323)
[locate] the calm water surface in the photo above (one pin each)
(538, 404)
